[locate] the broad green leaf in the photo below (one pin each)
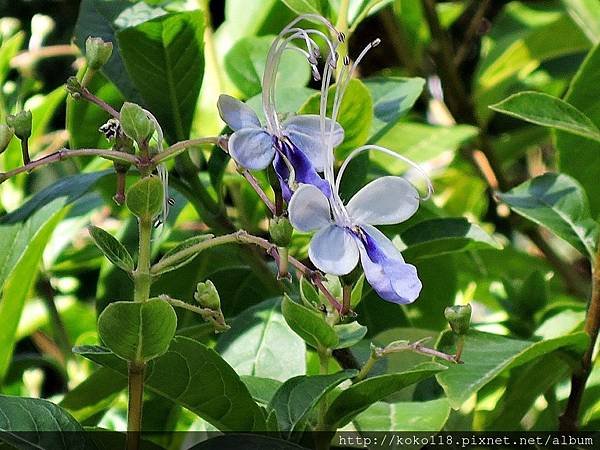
(548, 111)
(586, 14)
(165, 60)
(247, 442)
(392, 98)
(307, 6)
(309, 324)
(22, 246)
(349, 334)
(252, 18)
(245, 65)
(523, 388)
(487, 355)
(47, 425)
(104, 19)
(441, 236)
(517, 54)
(361, 395)
(579, 157)
(135, 122)
(261, 389)
(404, 416)
(93, 394)
(112, 248)
(145, 198)
(297, 397)
(420, 143)
(70, 188)
(260, 343)
(138, 331)
(355, 114)
(557, 202)
(197, 378)
(180, 260)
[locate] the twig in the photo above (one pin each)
(25, 58)
(569, 419)
(471, 33)
(256, 186)
(63, 154)
(180, 147)
(87, 95)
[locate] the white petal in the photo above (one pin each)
(305, 132)
(385, 201)
(309, 209)
(236, 114)
(334, 250)
(252, 148)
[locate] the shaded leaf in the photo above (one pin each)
(112, 248)
(261, 389)
(309, 324)
(349, 334)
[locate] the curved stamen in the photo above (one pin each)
(389, 152)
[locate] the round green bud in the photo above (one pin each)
(20, 123)
(73, 87)
(6, 134)
(208, 296)
(281, 231)
(459, 318)
(145, 198)
(97, 52)
(135, 122)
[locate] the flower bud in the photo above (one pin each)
(208, 296)
(21, 124)
(97, 52)
(73, 87)
(6, 134)
(281, 230)
(135, 122)
(459, 318)
(9, 27)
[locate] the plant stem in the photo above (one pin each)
(366, 368)
(141, 282)
(63, 154)
(322, 438)
(25, 151)
(87, 95)
(135, 404)
(242, 237)
(181, 146)
(569, 419)
(342, 27)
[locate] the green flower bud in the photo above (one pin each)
(135, 122)
(281, 231)
(97, 52)
(21, 123)
(6, 134)
(459, 318)
(73, 87)
(208, 296)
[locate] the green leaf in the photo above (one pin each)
(21, 249)
(420, 142)
(361, 395)
(307, 6)
(135, 122)
(557, 202)
(442, 236)
(309, 324)
(548, 111)
(112, 248)
(138, 331)
(104, 19)
(579, 157)
(145, 198)
(8, 50)
(297, 397)
(586, 14)
(355, 114)
(260, 343)
(180, 260)
(70, 188)
(47, 425)
(487, 355)
(404, 416)
(245, 65)
(392, 98)
(165, 59)
(196, 377)
(261, 389)
(349, 334)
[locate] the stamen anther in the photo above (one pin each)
(346, 60)
(376, 42)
